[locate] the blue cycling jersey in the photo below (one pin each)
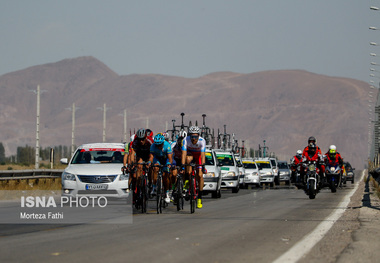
(161, 153)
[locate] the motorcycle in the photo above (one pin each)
(311, 179)
(333, 174)
(296, 176)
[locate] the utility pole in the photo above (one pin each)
(38, 93)
(72, 109)
(125, 125)
(104, 109)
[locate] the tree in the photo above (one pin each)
(2, 153)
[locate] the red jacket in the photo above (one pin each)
(338, 159)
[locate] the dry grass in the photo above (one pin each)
(35, 187)
(30, 167)
(376, 187)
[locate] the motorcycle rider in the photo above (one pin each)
(333, 157)
(313, 153)
(294, 164)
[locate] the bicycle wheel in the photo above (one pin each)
(159, 195)
(192, 194)
(144, 194)
(179, 194)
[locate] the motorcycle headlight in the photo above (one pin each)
(332, 169)
(68, 176)
(311, 167)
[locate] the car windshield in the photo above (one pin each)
(265, 165)
(106, 155)
(283, 166)
(209, 159)
(250, 166)
(225, 159)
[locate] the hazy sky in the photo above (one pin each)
(194, 37)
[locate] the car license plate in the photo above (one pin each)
(96, 186)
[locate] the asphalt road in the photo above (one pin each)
(254, 225)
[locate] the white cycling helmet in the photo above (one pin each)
(299, 152)
(194, 129)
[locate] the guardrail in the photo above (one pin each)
(29, 174)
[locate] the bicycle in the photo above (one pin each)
(160, 196)
(140, 192)
(179, 197)
(193, 189)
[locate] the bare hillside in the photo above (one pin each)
(282, 107)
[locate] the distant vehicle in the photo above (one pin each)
(229, 170)
(95, 169)
(213, 177)
(276, 173)
(284, 172)
(350, 174)
(252, 176)
(241, 169)
(266, 171)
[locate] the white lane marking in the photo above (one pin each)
(309, 241)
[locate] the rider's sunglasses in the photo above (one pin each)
(141, 139)
(194, 137)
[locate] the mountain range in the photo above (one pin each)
(282, 107)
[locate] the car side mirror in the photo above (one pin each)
(353, 168)
(64, 161)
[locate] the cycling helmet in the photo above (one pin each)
(194, 129)
(159, 139)
(182, 134)
(299, 153)
(149, 132)
(141, 134)
(166, 135)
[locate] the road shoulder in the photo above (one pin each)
(354, 237)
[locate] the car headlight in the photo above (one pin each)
(208, 175)
(68, 176)
(231, 174)
(254, 173)
(123, 177)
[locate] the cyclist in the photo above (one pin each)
(161, 153)
(193, 150)
(139, 152)
(177, 155)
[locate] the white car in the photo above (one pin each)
(213, 178)
(229, 170)
(252, 176)
(266, 171)
(241, 169)
(95, 169)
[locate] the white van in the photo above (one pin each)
(212, 179)
(229, 170)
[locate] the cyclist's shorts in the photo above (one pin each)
(177, 162)
(163, 162)
(196, 157)
(144, 157)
